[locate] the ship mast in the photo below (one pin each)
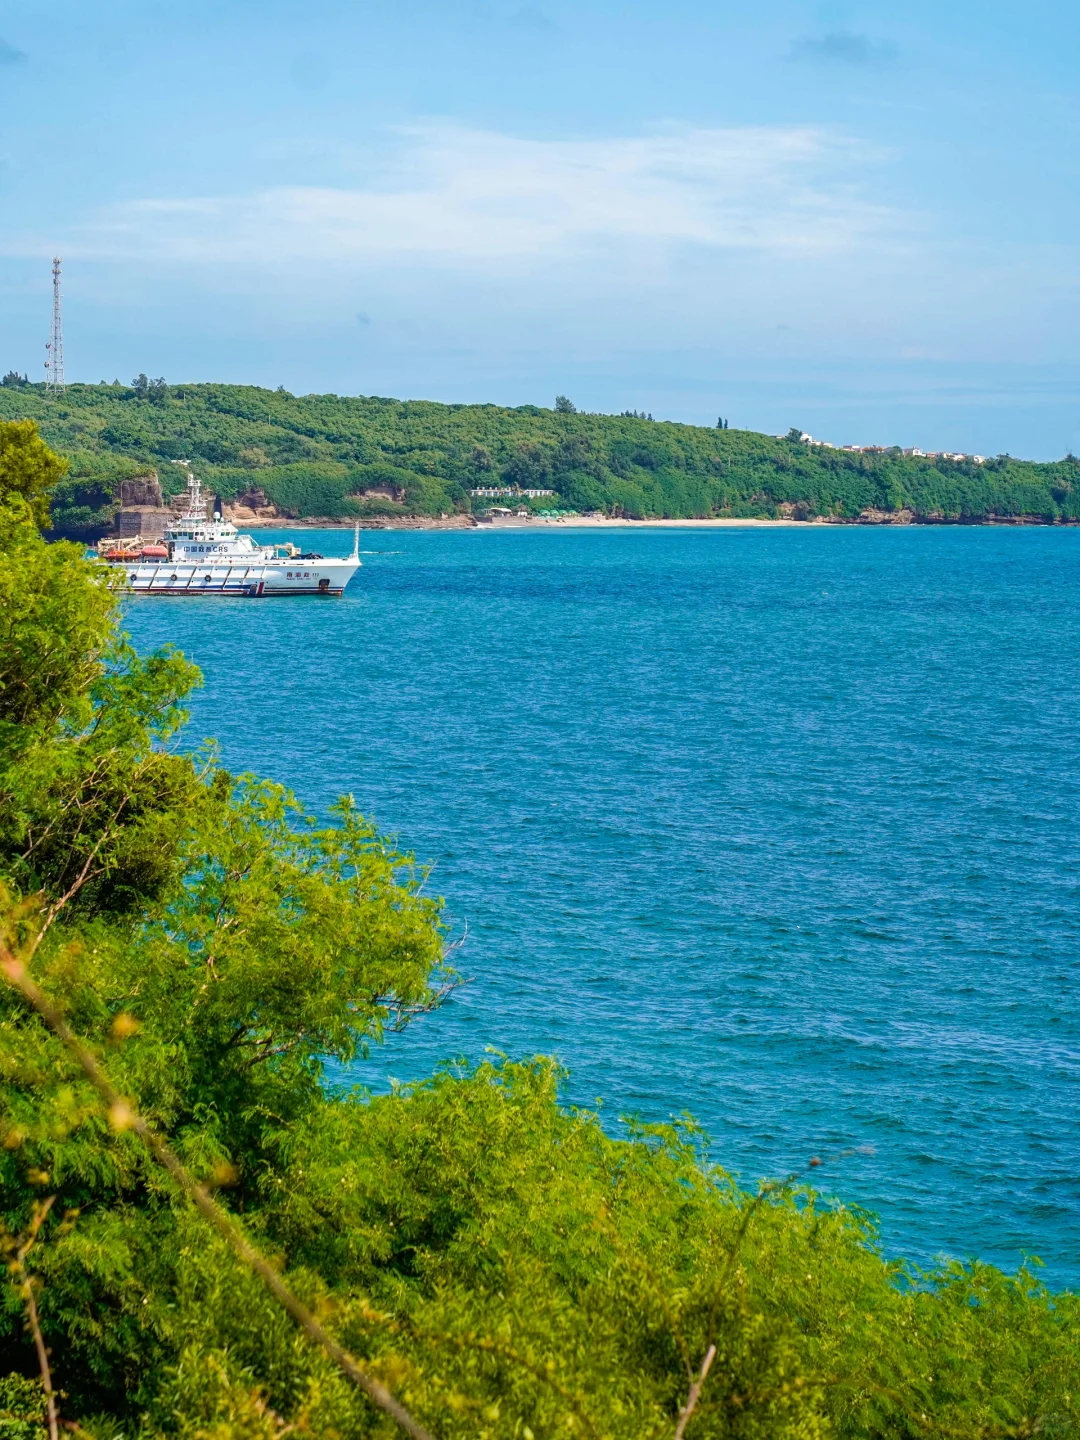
(196, 508)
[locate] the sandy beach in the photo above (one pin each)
(245, 520)
(469, 522)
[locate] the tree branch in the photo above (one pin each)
(84, 873)
(695, 1391)
(404, 1013)
(27, 1288)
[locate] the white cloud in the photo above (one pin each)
(458, 198)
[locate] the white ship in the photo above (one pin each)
(200, 556)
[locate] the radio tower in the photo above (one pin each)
(54, 365)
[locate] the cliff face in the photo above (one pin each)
(141, 490)
(142, 510)
(253, 504)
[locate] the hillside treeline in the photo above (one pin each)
(186, 958)
(339, 456)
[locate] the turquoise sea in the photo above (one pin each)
(774, 826)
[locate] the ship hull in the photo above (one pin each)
(260, 580)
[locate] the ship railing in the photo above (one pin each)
(235, 578)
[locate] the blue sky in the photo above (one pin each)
(833, 215)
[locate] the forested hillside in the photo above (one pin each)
(325, 455)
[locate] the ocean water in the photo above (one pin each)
(774, 826)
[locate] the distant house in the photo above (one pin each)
(496, 492)
(912, 450)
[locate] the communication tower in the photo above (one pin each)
(54, 363)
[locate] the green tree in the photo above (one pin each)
(28, 468)
(150, 874)
(529, 467)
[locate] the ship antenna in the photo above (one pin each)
(356, 542)
(54, 365)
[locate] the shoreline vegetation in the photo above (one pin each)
(206, 1239)
(269, 456)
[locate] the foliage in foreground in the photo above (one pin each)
(505, 1265)
(340, 456)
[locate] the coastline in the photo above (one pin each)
(589, 522)
(469, 522)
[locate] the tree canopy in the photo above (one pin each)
(509, 1268)
(28, 468)
(321, 455)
